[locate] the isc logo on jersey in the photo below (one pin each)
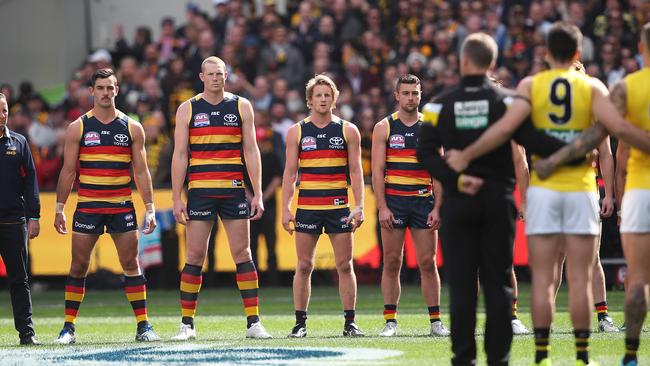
(201, 120)
(308, 143)
(92, 138)
(397, 142)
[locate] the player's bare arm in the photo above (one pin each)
(68, 173)
(498, 133)
(620, 175)
(289, 177)
(606, 163)
(607, 112)
(378, 160)
(522, 175)
(356, 173)
(252, 156)
(179, 160)
(433, 219)
(142, 176)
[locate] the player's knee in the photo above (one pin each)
(344, 267)
(79, 268)
(392, 265)
(427, 266)
(304, 268)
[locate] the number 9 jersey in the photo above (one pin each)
(561, 107)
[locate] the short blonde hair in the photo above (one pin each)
(320, 79)
(213, 60)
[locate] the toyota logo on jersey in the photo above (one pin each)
(397, 142)
(336, 140)
(120, 137)
(230, 117)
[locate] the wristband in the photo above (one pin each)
(618, 213)
(33, 219)
(150, 207)
(59, 207)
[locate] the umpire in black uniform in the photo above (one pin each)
(478, 211)
(19, 203)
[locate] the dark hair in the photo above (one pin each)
(101, 74)
(563, 41)
(480, 49)
(407, 79)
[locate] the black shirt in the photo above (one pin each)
(18, 185)
(464, 113)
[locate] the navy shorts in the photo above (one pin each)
(200, 207)
(93, 223)
(410, 211)
(314, 221)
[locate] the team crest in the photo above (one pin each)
(201, 120)
(92, 138)
(308, 143)
(397, 142)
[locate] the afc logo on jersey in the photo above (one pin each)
(397, 142)
(308, 143)
(92, 138)
(201, 120)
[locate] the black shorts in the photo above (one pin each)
(202, 208)
(92, 223)
(314, 221)
(410, 211)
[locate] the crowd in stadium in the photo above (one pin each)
(363, 44)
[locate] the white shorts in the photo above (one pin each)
(555, 212)
(635, 211)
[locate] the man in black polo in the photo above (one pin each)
(478, 211)
(19, 202)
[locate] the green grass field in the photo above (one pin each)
(106, 329)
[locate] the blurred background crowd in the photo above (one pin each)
(363, 44)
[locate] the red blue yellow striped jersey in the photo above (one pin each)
(323, 165)
(404, 174)
(105, 165)
(216, 169)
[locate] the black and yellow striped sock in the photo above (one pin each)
(136, 292)
(390, 313)
(541, 343)
(191, 279)
(601, 310)
(247, 282)
(631, 347)
(514, 308)
(434, 313)
(75, 289)
(582, 344)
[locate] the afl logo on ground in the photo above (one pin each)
(396, 142)
(201, 120)
(336, 140)
(92, 138)
(230, 118)
(120, 137)
(308, 143)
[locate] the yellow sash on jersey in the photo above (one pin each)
(561, 107)
(637, 86)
